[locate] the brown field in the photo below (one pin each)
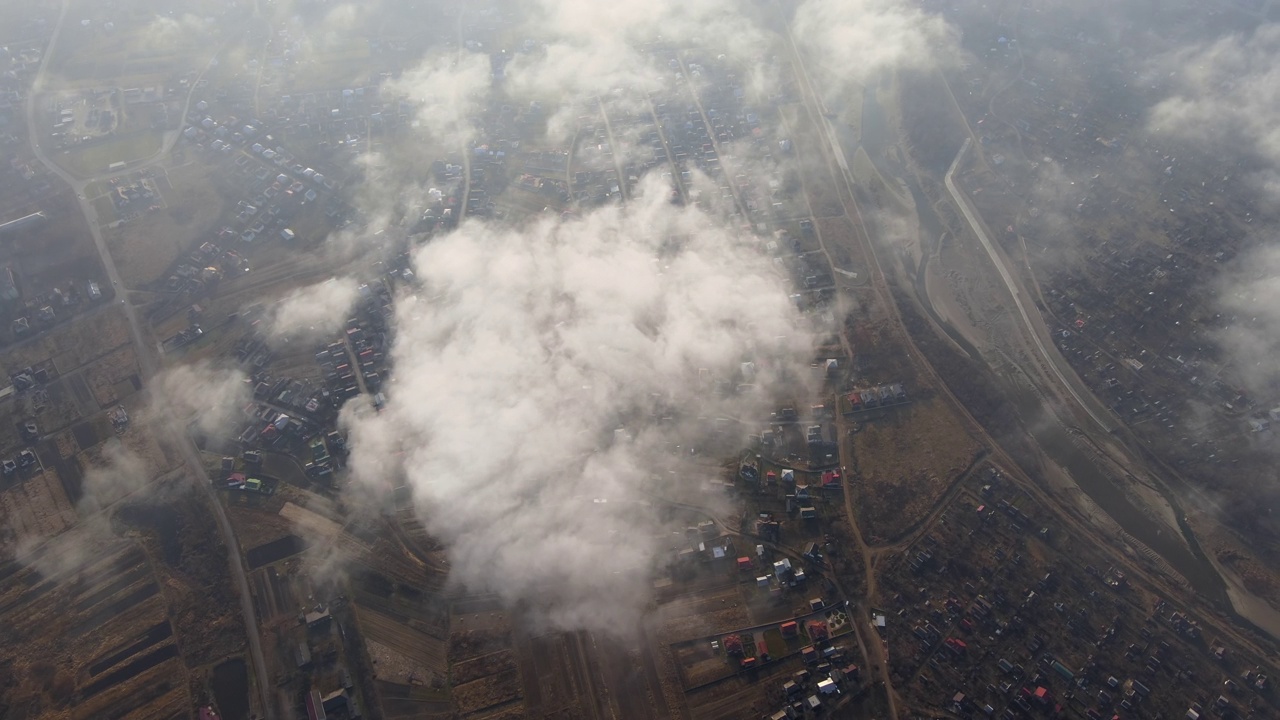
(74, 344)
(703, 614)
(466, 644)
(840, 237)
(36, 508)
(476, 668)
(510, 713)
(504, 687)
(417, 646)
(93, 637)
(737, 697)
(104, 377)
(905, 462)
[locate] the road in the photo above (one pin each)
(614, 152)
(975, 224)
(148, 354)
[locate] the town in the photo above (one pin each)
(965, 491)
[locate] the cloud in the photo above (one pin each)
(213, 395)
(851, 41)
(314, 311)
(447, 91)
(543, 369)
(1226, 91)
(120, 473)
(170, 34)
(1251, 296)
(116, 473)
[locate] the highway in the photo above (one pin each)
(148, 354)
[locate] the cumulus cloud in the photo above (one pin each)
(1226, 90)
(1252, 297)
(543, 370)
(182, 33)
(314, 311)
(120, 472)
(584, 49)
(209, 395)
(447, 91)
(851, 41)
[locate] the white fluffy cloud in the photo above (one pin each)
(534, 348)
(1225, 90)
(314, 311)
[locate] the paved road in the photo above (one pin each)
(148, 354)
(971, 217)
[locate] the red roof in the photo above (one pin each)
(744, 563)
(790, 628)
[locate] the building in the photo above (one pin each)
(302, 655)
(315, 708)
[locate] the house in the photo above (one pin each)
(317, 618)
(789, 629)
(828, 687)
(315, 707)
(302, 655)
(818, 630)
(744, 563)
(782, 569)
(813, 703)
(808, 513)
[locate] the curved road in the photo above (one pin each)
(971, 217)
(148, 362)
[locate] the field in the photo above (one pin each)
(905, 462)
(95, 157)
(72, 345)
(112, 378)
(146, 248)
(93, 632)
(36, 508)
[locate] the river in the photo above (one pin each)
(1180, 551)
